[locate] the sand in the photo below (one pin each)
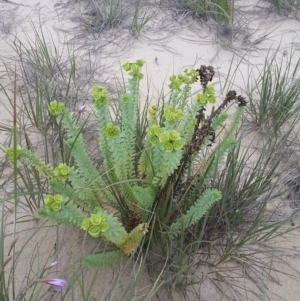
(168, 43)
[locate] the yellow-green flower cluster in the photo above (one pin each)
(56, 108)
(188, 77)
(152, 114)
(9, 152)
(170, 140)
(135, 68)
(62, 171)
(111, 130)
(152, 111)
(176, 82)
(208, 96)
(171, 114)
(125, 98)
(54, 202)
(95, 225)
(100, 96)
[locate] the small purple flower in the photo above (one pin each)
(80, 109)
(53, 264)
(60, 284)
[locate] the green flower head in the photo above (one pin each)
(140, 63)
(170, 116)
(102, 102)
(178, 114)
(100, 96)
(96, 219)
(175, 83)
(167, 146)
(212, 99)
(98, 92)
(210, 90)
(153, 110)
(53, 203)
(187, 77)
(177, 144)
(201, 99)
(55, 206)
(56, 108)
(191, 76)
(158, 130)
(125, 98)
(181, 77)
(164, 137)
(94, 231)
(169, 109)
(174, 135)
(85, 224)
(217, 194)
(111, 130)
(172, 77)
(48, 200)
(151, 132)
(210, 93)
(62, 171)
(135, 69)
(48, 207)
(127, 66)
(58, 198)
(154, 140)
(9, 152)
(103, 226)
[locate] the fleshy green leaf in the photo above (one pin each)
(103, 259)
(115, 233)
(196, 212)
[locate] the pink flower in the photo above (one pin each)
(53, 264)
(80, 109)
(60, 284)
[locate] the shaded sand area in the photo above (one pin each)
(169, 42)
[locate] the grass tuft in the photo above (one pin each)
(274, 95)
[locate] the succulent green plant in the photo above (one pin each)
(117, 203)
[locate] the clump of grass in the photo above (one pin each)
(47, 72)
(286, 7)
(139, 21)
(102, 15)
(274, 95)
(96, 17)
(219, 10)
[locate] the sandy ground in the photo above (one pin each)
(168, 44)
